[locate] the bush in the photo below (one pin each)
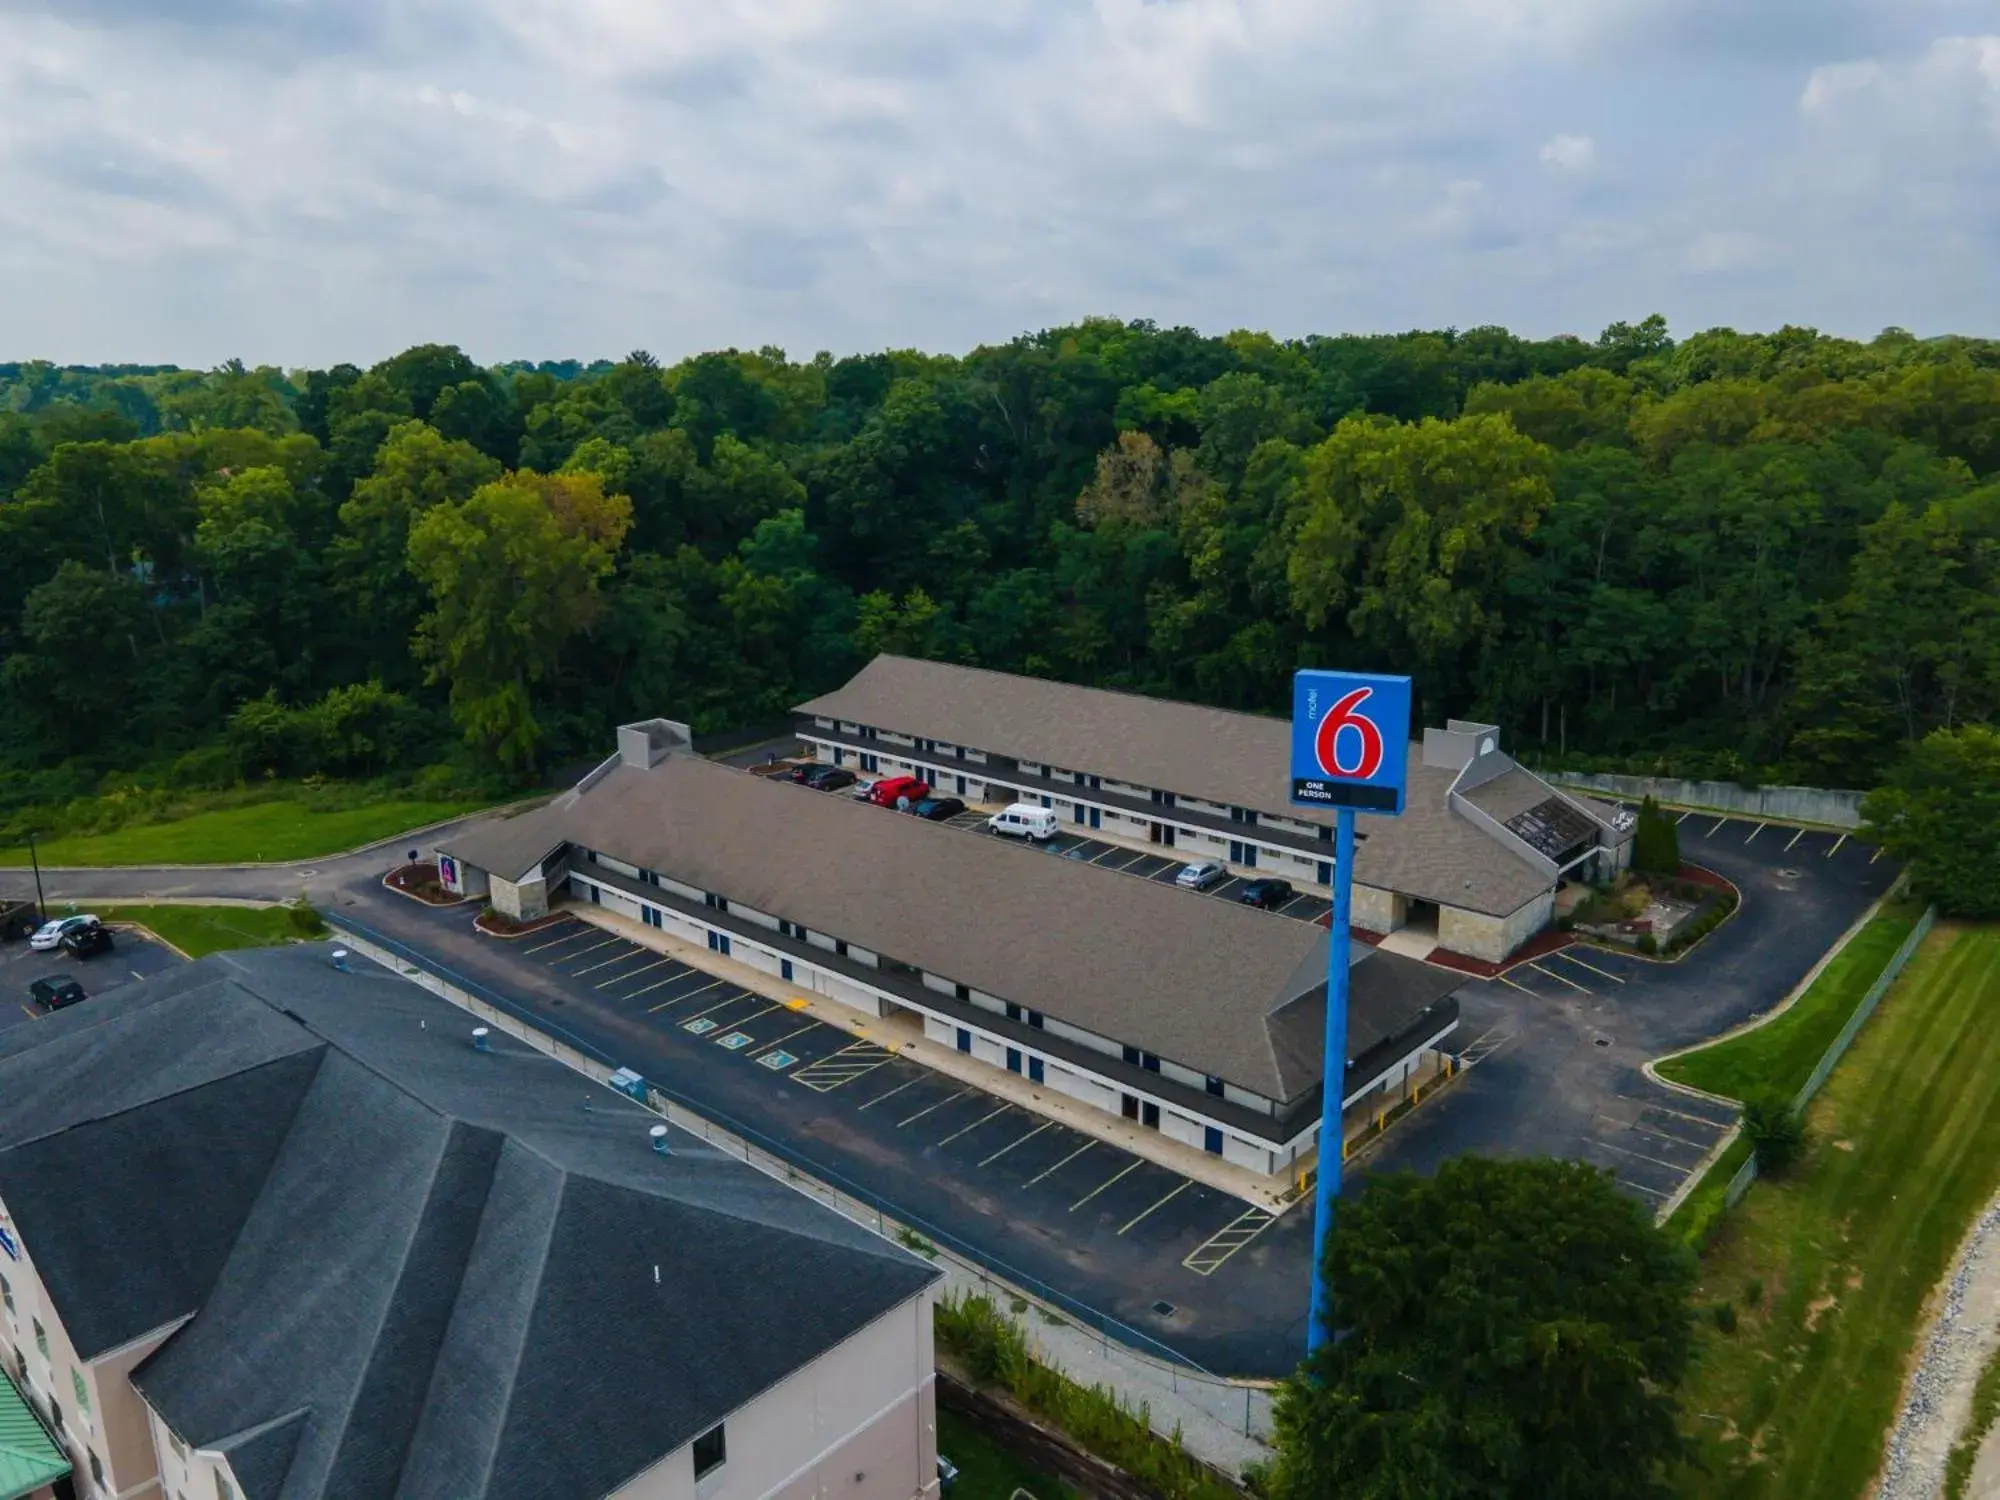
(1647, 943)
(1725, 1316)
(305, 919)
(1777, 1133)
(1656, 843)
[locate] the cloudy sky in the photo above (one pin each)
(304, 181)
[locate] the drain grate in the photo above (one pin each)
(1164, 1309)
(1602, 1041)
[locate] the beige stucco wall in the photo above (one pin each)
(858, 1423)
(1377, 910)
(524, 900)
(1478, 935)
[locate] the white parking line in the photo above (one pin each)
(1653, 1191)
(1580, 989)
(1669, 1110)
(1568, 957)
(1513, 986)
(1682, 819)
(892, 1092)
(567, 937)
(786, 1038)
(1875, 856)
(1185, 1185)
(1836, 846)
(1716, 829)
(937, 1106)
(968, 1129)
(660, 984)
(1136, 1164)
(1059, 1165)
(665, 1004)
(1794, 839)
(1665, 1135)
(1045, 1125)
(1641, 1156)
(1294, 901)
(617, 958)
(581, 952)
(621, 978)
(1757, 830)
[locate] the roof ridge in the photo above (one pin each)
(1083, 687)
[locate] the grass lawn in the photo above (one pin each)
(987, 1471)
(279, 830)
(199, 930)
(1905, 1153)
(1782, 1053)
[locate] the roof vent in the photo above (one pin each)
(479, 1042)
(340, 959)
(659, 1135)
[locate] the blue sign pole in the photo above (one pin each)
(1332, 1138)
(1350, 751)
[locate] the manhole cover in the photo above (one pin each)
(1164, 1309)
(1601, 1041)
(1787, 874)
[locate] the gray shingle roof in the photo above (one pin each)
(1235, 759)
(428, 1270)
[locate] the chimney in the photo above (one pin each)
(659, 1135)
(479, 1043)
(340, 959)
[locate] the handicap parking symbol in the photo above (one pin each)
(776, 1061)
(700, 1026)
(736, 1041)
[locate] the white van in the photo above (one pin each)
(1024, 820)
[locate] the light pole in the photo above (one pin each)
(1333, 1088)
(41, 901)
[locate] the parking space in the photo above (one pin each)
(1071, 1189)
(131, 957)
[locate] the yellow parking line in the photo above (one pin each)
(1207, 1257)
(621, 978)
(746, 1020)
(1682, 819)
(614, 938)
(1757, 830)
(966, 1130)
(688, 996)
(1185, 1185)
(1580, 989)
(939, 1105)
(1794, 839)
(785, 1038)
(568, 937)
(1569, 957)
(1059, 1165)
(617, 959)
(723, 1005)
(660, 984)
(1511, 985)
(1717, 828)
(1136, 1164)
(1836, 846)
(32, 1015)
(1045, 1125)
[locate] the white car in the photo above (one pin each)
(1200, 875)
(50, 934)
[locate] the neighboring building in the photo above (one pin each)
(1197, 1017)
(281, 1231)
(1473, 863)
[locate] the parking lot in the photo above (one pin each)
(1558, 1043)
(1175, 1259)
(130, 958)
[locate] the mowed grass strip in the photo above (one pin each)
(262, 831)
(200, 930)
(1781, 1054)
(1842, 1255)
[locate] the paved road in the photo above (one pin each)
(1562, 1042)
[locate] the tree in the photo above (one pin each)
(513, 575)
(1656, 842)
(1503, 1328)
(1776, 1131)
(1939, 812)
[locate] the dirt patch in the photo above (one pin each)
(1817, 1306)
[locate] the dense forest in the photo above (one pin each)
(1751, 555)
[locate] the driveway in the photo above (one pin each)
(1557, 1045)
(131, 957)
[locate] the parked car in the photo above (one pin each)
(87, 941)
(1200, 875)
(50, 934)
(822, 777)
(891, 791)
(1267, 894)
(937, 809)
(18, 919)
(1024, 820)
(56, 991)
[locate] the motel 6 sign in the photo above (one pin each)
(1350, 740)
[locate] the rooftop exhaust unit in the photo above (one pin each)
(340, 959)
(479, 1039)
(659, 1136)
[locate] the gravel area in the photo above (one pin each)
(1963, 1333)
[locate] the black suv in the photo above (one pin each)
(56, 991)
(938, 809)
(87, 941)
(1267, 894)
(822, 777)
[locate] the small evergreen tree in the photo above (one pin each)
(1656, 845)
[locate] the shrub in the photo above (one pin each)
(1656, 843)
(304, 918)
(1753, 1291)
(1725, 1316)
(1647, 943)
(1777, 1133)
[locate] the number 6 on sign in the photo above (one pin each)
(1350, 740)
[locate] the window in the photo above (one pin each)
(963, 991)
(41, 1337)
(718, 903)
(1035, 1019)
(1149, 1061)
(1215, 1087)
(82, 1393)
(711, 1451)
(1131, 1054)
(840, 946)
(1013, 1011)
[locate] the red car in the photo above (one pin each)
(890, 789)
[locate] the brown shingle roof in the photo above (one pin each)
(1190, 978)
(1236, 759)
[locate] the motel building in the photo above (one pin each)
(1471, 867)
(1198, 1018)
(277, 1229)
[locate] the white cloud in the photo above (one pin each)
(327, 179)
(1568, 154)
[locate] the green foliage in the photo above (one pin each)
(1724, 1314)
(1985, 1412)
(994, 1352)
(1777, 1132)
(1656, 843)
(1505, 1327)
(200, 930)
(1940, 813)
(304, 919)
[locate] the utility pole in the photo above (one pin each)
(41, 901)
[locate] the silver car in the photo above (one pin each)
(50, 934)
(1200, 875)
